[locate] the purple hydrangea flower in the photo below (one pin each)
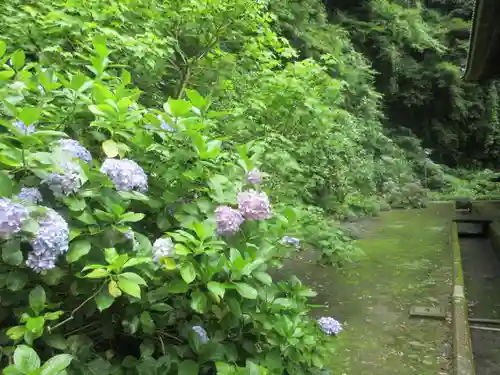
(75, 149)
(125, 174)
(202, 334)
(286, 240)
(254, 176)
(329, 325)
(30, 195)
(228, 220)
(66, 181)
(50, 241)
(162, 248)
(21, 126)
(254, 205)
(12, 217)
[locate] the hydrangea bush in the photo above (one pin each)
(132, 242)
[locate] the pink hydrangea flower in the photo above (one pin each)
(254, 176)
(228, 220)
(254, 205)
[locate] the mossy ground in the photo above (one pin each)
(407, 262)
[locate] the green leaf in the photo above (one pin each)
(86, 218)
(113, 289)
(35, 325)
(263, 277)
(198, 302)
(110, 148)
(246, 291)
(56, 364)
(133, 277)
(37, 299)
(55, 341)
(29, 115)
(129, 287)
(131, 217)
(3, 48)
(26, 359)
(148, 324)
(179, 108)
(31, 226)
(5, 185)
(16, 333)
(188, 367)
(11, 253)
(177, 287)
(6, 74)
(16, 280)
(17, 59)
(97, 274)
(216, 288)
(188, 272)
(197, 100)
(104, 300)
(77, 250)
(110, 255)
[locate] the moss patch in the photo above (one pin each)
(407, 263)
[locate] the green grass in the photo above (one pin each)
(407, 263)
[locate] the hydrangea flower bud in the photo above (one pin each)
(228, 220)
(67, 181)
(286, 240)
(21, 126)
(12, 217)
(163, 247)
(254, 176)
(202, 334)
(125, 174)
(75, 149)
(329, 325)
(51, 240)
(254, 205)
(30, 195)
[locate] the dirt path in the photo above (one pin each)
(407, 263)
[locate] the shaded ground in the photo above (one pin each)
(407, 263)
(482, 285)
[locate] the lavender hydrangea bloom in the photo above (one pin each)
(286, 240)
(329, 325)
(202, 334)
(21, 126)
(30, 195)
(254, 205)
(125, 174)
(228, 220)
(254, 176)
(12, 217)
(163, 247)
(75, 149)
(67, 181)
(50, 241)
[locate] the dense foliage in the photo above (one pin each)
(160, 158)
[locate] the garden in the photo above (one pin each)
(165, 165)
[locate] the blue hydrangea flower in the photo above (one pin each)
(164, 125)
(75, 149)
(228, 220)
(286, 240)
(125, 174)
(51, 240)
(21, 126)
(30, 195)
(202, 334)
(329, 325)
(254, 205)
(162, 248)
(67, 181)
(254, 176)
(12, 217)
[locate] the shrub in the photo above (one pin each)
(132, 240)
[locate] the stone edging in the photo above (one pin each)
(463, 360)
